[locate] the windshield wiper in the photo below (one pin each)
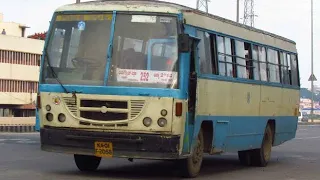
(54, 73)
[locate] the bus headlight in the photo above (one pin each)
(164, 112)
(49, 116)
(48, 107)
(162, 122)
(147, 121)
(62, 117)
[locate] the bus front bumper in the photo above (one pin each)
(124, 145)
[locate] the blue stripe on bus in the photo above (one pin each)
(232, 134)
(101, 90)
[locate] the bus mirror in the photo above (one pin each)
(184, 43)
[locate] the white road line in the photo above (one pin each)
(316, 137)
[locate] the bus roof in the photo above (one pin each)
(167, 7)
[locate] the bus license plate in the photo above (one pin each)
(103, 149)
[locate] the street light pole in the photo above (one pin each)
(312, 90)
(238, 2)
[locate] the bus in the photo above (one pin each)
(157, 80)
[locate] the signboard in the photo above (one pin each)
(146, 76)
(312, 78)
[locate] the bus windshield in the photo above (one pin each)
(144, 51)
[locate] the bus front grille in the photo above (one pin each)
(104, 110)
(136, 108)
(71, 103)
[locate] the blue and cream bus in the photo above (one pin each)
(156, 80)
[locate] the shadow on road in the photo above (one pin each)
(162, 169)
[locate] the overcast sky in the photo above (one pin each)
(288, 18)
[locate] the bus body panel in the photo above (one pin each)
(240, 112)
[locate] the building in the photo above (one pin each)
(19, 70)
(12, 28)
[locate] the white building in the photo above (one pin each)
(19, 70)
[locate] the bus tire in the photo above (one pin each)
(245, 157)
(191, 166)
(262, 156)
(87, 163)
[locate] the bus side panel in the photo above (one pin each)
(244, 109)
(287, 125)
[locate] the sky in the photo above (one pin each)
(288, 18)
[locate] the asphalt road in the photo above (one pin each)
(21, 158)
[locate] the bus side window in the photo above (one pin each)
(204, 53)
(289, 68)
(294, 70)
(249, 61)
(214, 57)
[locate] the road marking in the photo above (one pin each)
(316, 137)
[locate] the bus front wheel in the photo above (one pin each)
(190, 167)
(87, 163)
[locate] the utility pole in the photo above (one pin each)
(312, 78)
(248, 16)
(77, 1)
(203, 4)
(238, 7)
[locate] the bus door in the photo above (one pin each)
(192, 91)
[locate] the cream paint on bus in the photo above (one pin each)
(231, 99)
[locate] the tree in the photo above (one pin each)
(41, 36)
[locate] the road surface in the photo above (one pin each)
(21, 158)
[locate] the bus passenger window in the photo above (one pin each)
(255, 62)
(225, 56)
(273, 65)
(204, 53)
(263, 63)
(241, 61)
(294, 70)
(284, 68)
(214, 61)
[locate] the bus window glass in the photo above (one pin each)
(255, 58)
(221, 56)
(262, 63)
(56, 47)
(284, 66)
(273, 64)
(241, 61)
(149, 56)
(225, 56)
(204, 53)
(294, 71)
(77, 49)
(289, 68)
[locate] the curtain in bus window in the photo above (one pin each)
(262, 63)
(289, 68)
(225, 56)
(57, 46)
(284, 68)
(221, 56)
(204, 53)
(273, 64)
(294, 67)
(255, 58)
(241, 61)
